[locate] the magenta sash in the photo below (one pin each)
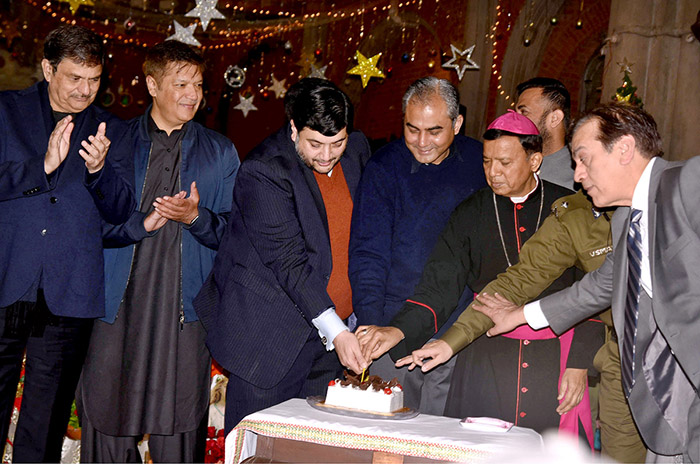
(568, 422)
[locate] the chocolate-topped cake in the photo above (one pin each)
(374, 394)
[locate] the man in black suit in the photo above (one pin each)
(57, 186)
(278, 299)
(651, 277)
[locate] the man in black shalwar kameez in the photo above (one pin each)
(148, 369)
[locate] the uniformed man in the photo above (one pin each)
(575, 234)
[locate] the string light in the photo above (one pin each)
(237, 32)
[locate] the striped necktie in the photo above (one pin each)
(634, 277)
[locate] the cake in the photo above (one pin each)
(373, 395)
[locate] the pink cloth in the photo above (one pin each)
(569, 422)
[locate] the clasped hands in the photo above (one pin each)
(94, 149)
(179, 208)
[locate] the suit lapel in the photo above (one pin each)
(37, 104)
(315, 192)
(656, 170)
(351, 170)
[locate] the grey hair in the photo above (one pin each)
(422, 90)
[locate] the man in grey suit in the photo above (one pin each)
(651, 278)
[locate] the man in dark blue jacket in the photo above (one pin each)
(147, 369)
(278, 299)
(57, 185)
(407, 193)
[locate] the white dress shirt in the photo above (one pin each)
(640, 200)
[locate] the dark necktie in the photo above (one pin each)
(634, 277)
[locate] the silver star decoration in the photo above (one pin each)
(278, 87)
(205, 11)
(318, 72)
(185, 34)
(625, 66)
(457, 54)
(245, 105)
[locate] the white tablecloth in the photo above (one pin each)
(426, 436)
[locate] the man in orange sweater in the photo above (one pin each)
(278, 299)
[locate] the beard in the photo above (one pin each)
(544, 132)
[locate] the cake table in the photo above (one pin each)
(293, 431)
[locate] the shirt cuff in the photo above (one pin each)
(329, 325)
(534, 316)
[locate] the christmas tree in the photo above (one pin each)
(627, 92)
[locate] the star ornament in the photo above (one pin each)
(461, 56)
(185, 34)
(278, 87)
(366, 67)
(318, 72)
(205, 11)
(75, 4)
(245, 105)
(625, 66)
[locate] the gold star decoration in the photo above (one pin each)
(278, 87)
(366, 67)
(457, 55)
(75, 4)
(625, 66)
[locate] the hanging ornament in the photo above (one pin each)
(107, 99)
(125, 97)
(318, 53)
(318, 72)
(278, 87)
(75, 4)
(405, 58)
(234, 77)
(129, 24)
(457, 54)
(184, 34)
(431, 65)
(245, 105)
(205, 11)
(265, 94)
(553, 21)
(579, 23)
(366, 67)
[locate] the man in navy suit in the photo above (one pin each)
(278, 299)
(57, 185)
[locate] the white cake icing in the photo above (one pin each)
(379, 396)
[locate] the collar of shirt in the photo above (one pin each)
(640, 201)
(517, 200)
(415, 165)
